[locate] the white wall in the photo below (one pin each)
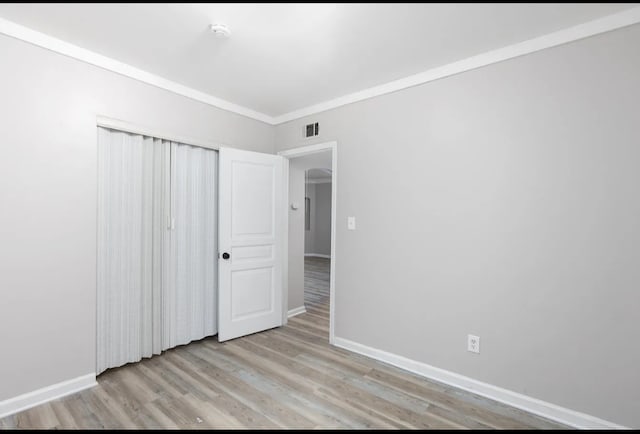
(505, 204)
(323, 219)
(521, 179)
(48, 107)
(318, 238)
(310, 234)
(296, 236)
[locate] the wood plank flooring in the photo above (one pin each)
(316, 292)
(287, 377)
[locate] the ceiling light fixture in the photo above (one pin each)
(220, 30)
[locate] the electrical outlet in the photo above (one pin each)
(473, 344)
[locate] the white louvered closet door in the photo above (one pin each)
(129, 274)
(190, 293)
(156, 270)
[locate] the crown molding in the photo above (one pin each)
(120, 125)
(34, 37)
(570, 34)
(580, 31)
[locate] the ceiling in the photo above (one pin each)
(317, 160)
(285, 57)
(316, 175)
(317, 166)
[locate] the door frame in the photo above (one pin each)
(300, 152)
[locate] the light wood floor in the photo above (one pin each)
(316, 290)
(287, 377)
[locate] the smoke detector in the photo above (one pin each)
(220, 30)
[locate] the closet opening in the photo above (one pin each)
(157, 267)
(190, 243)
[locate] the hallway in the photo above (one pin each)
(316, 289)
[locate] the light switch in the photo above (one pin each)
(351, 223)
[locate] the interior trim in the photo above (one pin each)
(26, 34)
(523, 402)
(46, 394)
(296, 311)
(580, 31)
(317, 255)
(117, 124)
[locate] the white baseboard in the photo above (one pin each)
(296, 311)
(532, 405)
(49, 393)
(317, 255)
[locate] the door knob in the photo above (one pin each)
(225, 255)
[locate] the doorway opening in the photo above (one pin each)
(310, 245)
(317, 238)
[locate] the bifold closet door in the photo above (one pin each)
(157, 246)
(190, 293)
(131, 206)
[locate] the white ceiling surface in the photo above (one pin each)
(318, 165)
(314, 175)
(284, 57)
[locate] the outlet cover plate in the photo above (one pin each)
(473, 344)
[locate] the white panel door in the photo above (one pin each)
(250, 236)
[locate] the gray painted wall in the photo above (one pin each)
(310, 235)
(505, 204)
(318, 239)
(48, 107)
(296, 235)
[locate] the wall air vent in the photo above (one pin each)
(311, 130)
